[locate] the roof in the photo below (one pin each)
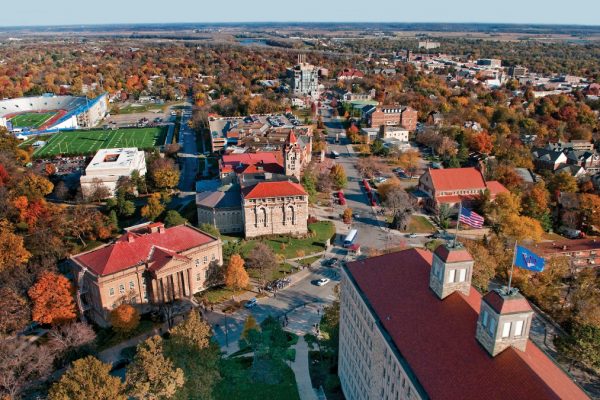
(268, 161)
(495, 188)
(140, 246)
(437, 337)
(562, 246)
(219, 199)
(273, 189)
(506, 304)
(453, 254)
(450, 179)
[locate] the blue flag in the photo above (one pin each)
(527, 259)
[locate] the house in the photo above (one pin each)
(413, 327)
(349, 74)
(550, 160)
(452, 186)
(582, 253)
(148, 265)
(406, 117)
(435, 118)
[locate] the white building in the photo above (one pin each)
(304, 78)
(108, 165)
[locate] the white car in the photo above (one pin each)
(322, 282)
(412, 235)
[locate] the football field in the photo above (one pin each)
(76, 143)
(31, 120)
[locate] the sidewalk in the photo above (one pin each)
(113, 354)
(301, 371)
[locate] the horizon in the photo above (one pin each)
(37, 13)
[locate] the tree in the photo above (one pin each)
(71, 341)
(308, 182)
(192, 332)
(249, 325)
(562, 182)
(262, 259)
(164, 173)
(173, 218)
(52, 297)
(153, 208)
(32, 186)
(521, 228)
(236, 276)
(12, 250)
(378, 148)
(506, 204)
(210, 229)
(536, 201)
(88, 378)
(347, 216)
(151, 375)
(98, 191)
(338, 175)
(409, 160)
(15, 313)
(125, 318)
(583, 345)
(402, 206)
(589, 204)
(21, 364)
(585, 297)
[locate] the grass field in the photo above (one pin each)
(31, 120)
(75, 143)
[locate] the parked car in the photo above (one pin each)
(322, 281)
(251, 303)
(412, 235)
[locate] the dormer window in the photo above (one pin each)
(519, 328)
(484, 318)
(506, 329)
(492, 327)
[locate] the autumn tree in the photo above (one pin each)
(249, 325)
(338, 176)
(482, 142)
(88, 378)
(236, 276)
(521, 228)
(347, 216)
(589, 205)
(262, 259)
(562, 182)
(402, 206)
(193, 332)
(98, 191)
(15, 312)
(173, 218)
(32, 186)
(409, 160)
(153, 208)
(164, 173)
(52, 297)
(125, 318)
(151, 375)
(71, 341)
(22, 364)
(12, 250)
(505, 204)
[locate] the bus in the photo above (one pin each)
(334, 154)
(350, 238)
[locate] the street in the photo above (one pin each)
(188, 153)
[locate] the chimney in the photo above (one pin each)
(451, 270)
(504, 320)
(130, 238)
(161, 228)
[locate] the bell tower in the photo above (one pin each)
(292, 157)
(451, 270)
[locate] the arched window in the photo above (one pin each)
(291, 215)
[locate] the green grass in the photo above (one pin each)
(34, 139)
(139, 108)
(217, 295)
(420, 224)
(86, 142)
(323, 372)
(238, 384)
(31, 119)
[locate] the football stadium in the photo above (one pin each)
(50, 113)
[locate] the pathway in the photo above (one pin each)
(300, 368)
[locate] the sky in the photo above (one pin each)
(83, 12)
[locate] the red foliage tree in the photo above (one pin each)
(52, 297)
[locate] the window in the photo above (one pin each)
(205, 259)
(111, 292)
(484, 318)
(492, 326)
(131, 285)
(462, 274)
(506, 330)
(451, 275)
(121, 288)
(198, 277)
(519, 328)
(212, 257)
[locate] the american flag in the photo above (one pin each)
(470, 218)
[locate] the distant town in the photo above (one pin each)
(300, 211)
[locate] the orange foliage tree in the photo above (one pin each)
(236, 276)
(12, 250)
(52, 297)
(125, 318)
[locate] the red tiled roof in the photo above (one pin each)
(453, 255)
(437, 338)
(502, 305)
(292, 138)
(456, 179)
(160, 257)
(273, 189)
(558, 247)
(134, 248)
(271, 161)
(351, 73)
(495, 187)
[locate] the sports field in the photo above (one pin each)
(76, 143)
(31, 119)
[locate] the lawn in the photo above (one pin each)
(420, 224)
(33, 139)
(139, 108)
(238, 383)
(31, 119)
(87, 142)
(217, 294)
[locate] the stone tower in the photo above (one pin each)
(292, 157)
(451, 270)
(504, 320)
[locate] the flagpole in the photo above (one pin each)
(457, 222)
(512, 265)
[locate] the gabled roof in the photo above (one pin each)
(448, 254)
(451, 179)
(137, 247)
(506, 304)
(273, 189)
(436, 337)
(245, 163)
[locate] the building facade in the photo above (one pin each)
(303, 78)
(406, 117)
(147, 266)
(412, 327)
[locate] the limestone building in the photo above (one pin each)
(413, 327)
(148, 265)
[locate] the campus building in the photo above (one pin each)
(405, 117)
(303, 78)
(148, 265)
(108, 166)
(413, 327)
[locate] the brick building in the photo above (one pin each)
(582, 253)
(148, 265)
(406, 117)
(413, 327)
